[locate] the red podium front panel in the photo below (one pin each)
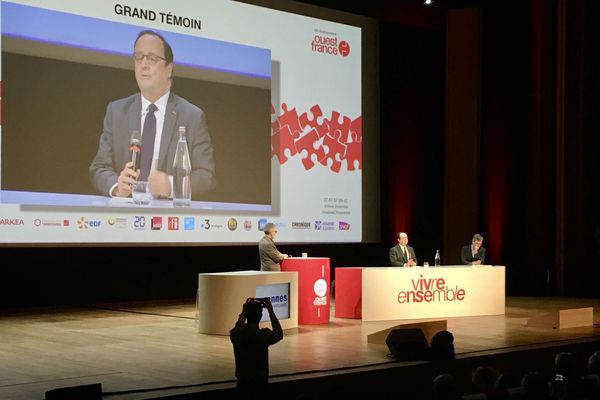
(313, 288)
(348, 293)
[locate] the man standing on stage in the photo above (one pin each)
(473, 254)
(270, 257)
(251, 348)
(402, 254)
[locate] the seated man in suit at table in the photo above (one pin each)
(474, 253)
(402, 254)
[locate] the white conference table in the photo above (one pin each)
(221, 295)
(392, 293)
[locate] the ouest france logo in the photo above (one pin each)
(328, 43)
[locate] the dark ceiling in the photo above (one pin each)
(409, 12)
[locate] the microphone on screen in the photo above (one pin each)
(135, 149)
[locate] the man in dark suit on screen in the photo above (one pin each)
(157, 113)
(474, 253)
(402, 254)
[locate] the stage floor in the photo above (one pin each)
(155, 345)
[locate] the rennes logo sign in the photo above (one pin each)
(429, 290)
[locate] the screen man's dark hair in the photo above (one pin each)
(166, 46)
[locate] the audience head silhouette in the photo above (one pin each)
(484, 379)
(442, 338)
(564, 364)
(489, 384)
(506, 381)
(536, 386)
(442, 346)
(594, 363)
(445, 388)
(254, 312)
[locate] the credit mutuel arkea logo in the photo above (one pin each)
(12, 221)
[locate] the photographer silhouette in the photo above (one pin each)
(251, 348)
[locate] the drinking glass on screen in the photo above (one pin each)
(140, 191)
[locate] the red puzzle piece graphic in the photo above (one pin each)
(356, 128)
(336, 151)
(311, 143)
(281, 140)
(335, 126)
(354, 145)
(327, 140)
(290, 118)
(284, 131)
(321, 128)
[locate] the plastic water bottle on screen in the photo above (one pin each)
(438, 259)
(182, 186)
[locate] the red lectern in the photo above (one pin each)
(348, 293)
(313, 288)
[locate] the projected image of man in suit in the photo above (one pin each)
(157, 113)
(402, 254)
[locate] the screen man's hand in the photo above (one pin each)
(160, 185)
(125, 180)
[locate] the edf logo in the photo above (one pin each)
(85, 224)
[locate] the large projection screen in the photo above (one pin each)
(281, 97)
